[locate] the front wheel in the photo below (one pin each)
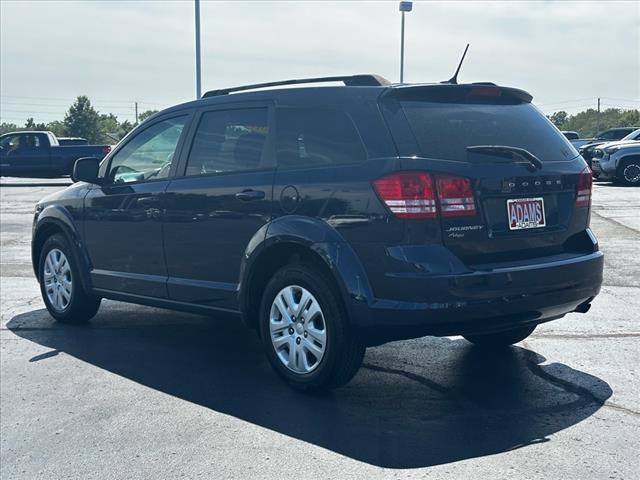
(60, 286)
(501, 339)
(305, 330)
(628, 172)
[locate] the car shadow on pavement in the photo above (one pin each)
(413, 404)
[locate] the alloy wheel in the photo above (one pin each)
(631, 173)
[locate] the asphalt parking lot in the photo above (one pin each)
(147, 393)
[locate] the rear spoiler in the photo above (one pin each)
(483, 92)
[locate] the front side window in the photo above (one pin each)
(22, 141)
(229, 141)
(608, 135)
(309, 137)
(11, 142)
(148, 155)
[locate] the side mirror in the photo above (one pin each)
(86, 170)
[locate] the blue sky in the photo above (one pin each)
(565, 53)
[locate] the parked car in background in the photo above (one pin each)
(610, 135)
(618, 161)
(580, 142)
(330, 219)
(39, 154)
(571, 135)
(72, 141)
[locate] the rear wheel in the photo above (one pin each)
(305, 330)
(628, 172)
(501, 339)
(60, 286)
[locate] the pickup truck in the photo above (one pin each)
(39, 154)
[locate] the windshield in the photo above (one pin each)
(445, 130)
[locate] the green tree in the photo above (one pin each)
(7, 127)
(57, 127)
(589, 122)
(82, 120)
(559, 119)
(110, 128)
(146, 114)
(32, 125)
(126, 127)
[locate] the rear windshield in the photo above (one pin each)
(444, 130)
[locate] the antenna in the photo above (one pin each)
(454, 80)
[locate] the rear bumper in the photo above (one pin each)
(486, 300)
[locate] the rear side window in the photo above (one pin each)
(308, 137)
(444, 130)
(229, 141)
(613, 134)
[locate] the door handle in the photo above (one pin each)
(249, 195)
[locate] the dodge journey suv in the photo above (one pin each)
(332, 218)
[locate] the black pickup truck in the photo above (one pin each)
(39, 154)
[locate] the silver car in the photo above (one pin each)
(618, 161)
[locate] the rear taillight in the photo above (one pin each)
(455, 196)
(408, 194)
(412, 195)
(106, 150)
(583, 197)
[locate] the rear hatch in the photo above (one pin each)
(507, 184)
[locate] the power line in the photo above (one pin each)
(29, 112)
(102, 101)
(631, 100)
(566, 101)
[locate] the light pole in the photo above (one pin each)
(198, 73)
(404, 7)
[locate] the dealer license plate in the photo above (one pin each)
(524, 213)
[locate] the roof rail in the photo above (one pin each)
(364, 80)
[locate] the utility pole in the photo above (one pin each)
(198, 73)
(404, 7)
(136, 107)
(598, 119)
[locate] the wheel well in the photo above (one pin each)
(42, 234)
(627, 158)
(268, 263)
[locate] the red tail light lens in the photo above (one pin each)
(583, 197)
(455, 196)
(413, 195)
(106, 150)
(408, 194)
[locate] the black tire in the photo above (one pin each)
(343, 351)
(501, 339)
(81, 306)
(628, 172)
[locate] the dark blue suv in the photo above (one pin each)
(332, 218)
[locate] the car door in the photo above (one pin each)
(123, 216)
(26, 154)
(220, 202)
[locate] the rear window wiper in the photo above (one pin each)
(506, 151)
